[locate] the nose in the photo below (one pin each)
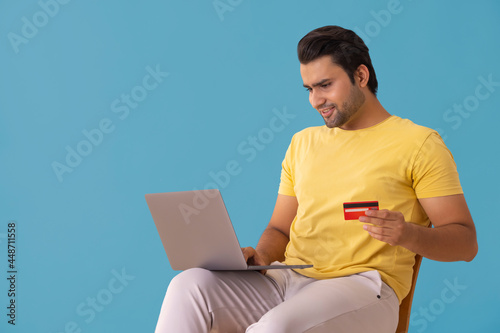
(316, 99)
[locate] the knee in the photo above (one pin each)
(276, 322)
(191, 280)
(184, 307)
(270, 327)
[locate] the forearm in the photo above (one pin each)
(453, 237)
(452, 242)
(272, 245)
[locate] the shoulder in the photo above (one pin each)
(406, 125)
(310, 133)
(406, 130)
(311, 130)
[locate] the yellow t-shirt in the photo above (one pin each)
(395, 162)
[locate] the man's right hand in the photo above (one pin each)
(253, 258)
(274, 239)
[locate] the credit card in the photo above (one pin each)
(353, 210)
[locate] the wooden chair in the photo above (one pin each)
(405, 307)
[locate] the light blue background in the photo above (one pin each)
(227, 73)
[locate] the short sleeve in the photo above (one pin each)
(434, 172)
(287, 184)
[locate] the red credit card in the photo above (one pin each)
(353, 210)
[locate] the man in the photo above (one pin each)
(362, 268)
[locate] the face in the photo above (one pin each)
(331, 92)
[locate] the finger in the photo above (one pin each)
(376, 230)
(382, 218)
(252, 258)
(383, 214)
(380, 234)
(257, 259)
(373, 220)
(248, 253)
(381, 238)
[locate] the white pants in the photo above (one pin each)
(199, 301)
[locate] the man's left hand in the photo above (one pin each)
(386, 226)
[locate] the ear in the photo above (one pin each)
(362, 75)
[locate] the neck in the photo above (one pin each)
(369, 114)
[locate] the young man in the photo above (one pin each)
(362, 267)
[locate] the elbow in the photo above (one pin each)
(472, 249)
(472, 252)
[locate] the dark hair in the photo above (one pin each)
(345, 47)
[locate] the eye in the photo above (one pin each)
(308, 90)
(325, 85)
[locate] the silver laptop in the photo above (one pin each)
(196, 231)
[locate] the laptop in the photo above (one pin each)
(196, 231)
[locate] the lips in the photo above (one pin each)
(327, 112)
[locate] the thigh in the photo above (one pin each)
(199, 300)
(357, 303)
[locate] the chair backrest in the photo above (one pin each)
(405, 306)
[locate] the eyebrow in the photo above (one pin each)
(317, 84)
